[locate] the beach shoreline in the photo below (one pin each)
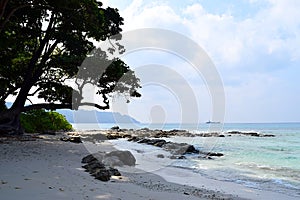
(47, 168)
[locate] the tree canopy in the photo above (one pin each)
(43, 43)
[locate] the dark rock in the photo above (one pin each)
(144, 140)
(112, 136)
(254, 134)
(88, 159)
(160, 156)
(134, 139)
(268, 135)
(160, 143)
(191, 149)
(234, 132)
(177, 157)
(74, 139)
(126, 136)
(221, 135)
(98, 169)
(115, 128)
(125, 157)
(154, 142)
(211, 153)
(114, 172)
(102, 175)
(93, 166)
(179, 148)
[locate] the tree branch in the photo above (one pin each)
(47, 106)
(10, 14)
(53, 106)
(2, 7)
(95, 105)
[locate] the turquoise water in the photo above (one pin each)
(267, 163)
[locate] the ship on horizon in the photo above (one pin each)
(212, 122)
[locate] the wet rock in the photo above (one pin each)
(134, 139)
(75, 139)
(268, 135)
(177, 157)
(179, 148)
(154, 142)
(211, 153)
(113, 136)
(115, 128)
(254, 134)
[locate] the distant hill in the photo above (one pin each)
(96, 117)
(93, 116)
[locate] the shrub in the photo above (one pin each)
(41, 121)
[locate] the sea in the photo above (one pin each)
(263, 163)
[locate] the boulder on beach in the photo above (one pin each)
(74, 139)
(120, 158)
(98, 169)
(179, 148)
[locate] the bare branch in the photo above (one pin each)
(29, 100)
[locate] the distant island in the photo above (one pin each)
(89, 116)
(96, 117)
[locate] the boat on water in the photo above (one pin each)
(211, 122)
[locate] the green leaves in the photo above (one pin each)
(39, 121)
(43, 43)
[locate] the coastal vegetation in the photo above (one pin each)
(41, 121)
(43, 44)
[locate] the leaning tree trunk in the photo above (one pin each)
(10, 121)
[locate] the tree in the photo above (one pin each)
(44, 42)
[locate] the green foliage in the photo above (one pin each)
(38, 121)
(43, 43)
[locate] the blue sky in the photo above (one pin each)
(254, 45)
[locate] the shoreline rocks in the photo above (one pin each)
(101, 165)
(97, 169)
(253, 134)
(136, 135)
(74, 139)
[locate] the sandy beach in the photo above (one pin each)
(47, 168)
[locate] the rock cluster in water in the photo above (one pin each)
(116, 133)
(154, 137)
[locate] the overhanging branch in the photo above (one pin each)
(47, 106)
(53, 106)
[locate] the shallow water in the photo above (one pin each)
(267, 163)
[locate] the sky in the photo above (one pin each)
(244, 68)
(254, 45)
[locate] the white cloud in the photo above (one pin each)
(248, 51)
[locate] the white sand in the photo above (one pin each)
(51, 169)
